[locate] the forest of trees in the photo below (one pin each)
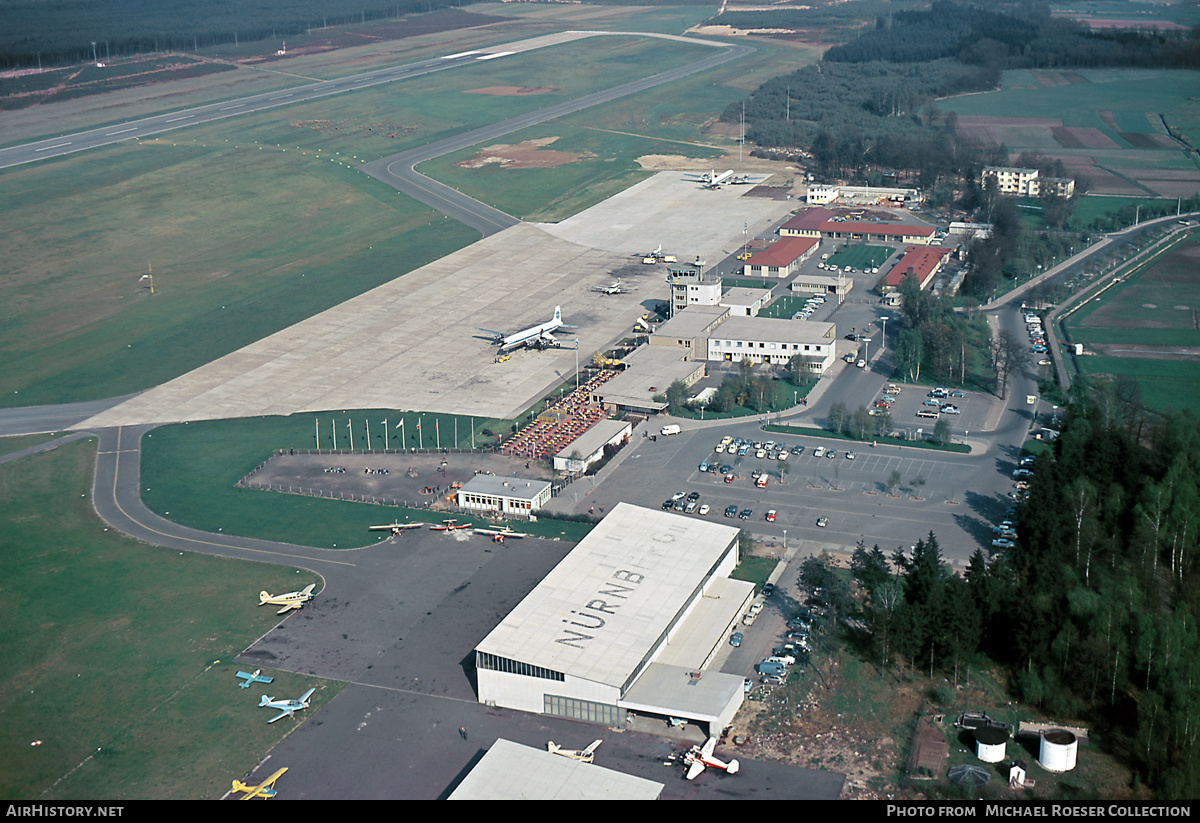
(1094, 612)
(49, 32)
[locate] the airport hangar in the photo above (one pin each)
(629, 622)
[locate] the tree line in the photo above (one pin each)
(1094, 611)
(48, 32)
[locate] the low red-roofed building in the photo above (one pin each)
(922, 262)
(781, 258)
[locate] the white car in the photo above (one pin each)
(823, 522)
(703, 509)
(819, 451)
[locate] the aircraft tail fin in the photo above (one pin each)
(266, 701)
(558, 314)
(263, 597)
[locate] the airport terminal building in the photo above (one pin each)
(629, 621)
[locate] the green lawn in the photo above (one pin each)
(118, 655)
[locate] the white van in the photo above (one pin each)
(671, 429)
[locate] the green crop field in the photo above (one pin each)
(118, 655)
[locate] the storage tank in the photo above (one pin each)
(991, 744)
(1058, 750)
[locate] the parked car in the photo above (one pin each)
(949, 409)
(736, 639)
(770, 515)
(1002, 543)
(703, 509)
(745, 514)
(823, 522)
(731, 511)
(768, 589)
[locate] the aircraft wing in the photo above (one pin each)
(308, 590)
(709, 747)
(695, 769)
(284, 713)
(304, 697)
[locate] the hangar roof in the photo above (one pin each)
(511, 771)
(601, 611)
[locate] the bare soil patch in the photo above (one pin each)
(513, 91)
(526, 155)
(1076, 137)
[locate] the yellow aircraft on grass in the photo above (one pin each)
(265, 789)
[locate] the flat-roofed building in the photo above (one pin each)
(689, 329)
(694, 291)
(745, 302)
(1026, 182)
(631, 619)
(512, 496)
(588, 448)
(651, 369)
(767, 340)
(781, 258)
(511, 771)
(821, 284)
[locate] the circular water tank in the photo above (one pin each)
(991, 744)
(1058, 750)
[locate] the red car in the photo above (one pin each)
(882, 404)
(771, 516)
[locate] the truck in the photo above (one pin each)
(761, 481)
(671, 429)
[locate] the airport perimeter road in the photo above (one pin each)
(399, 171)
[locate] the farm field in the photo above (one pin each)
(1105, 125)
(117, 655)
(1148, 328)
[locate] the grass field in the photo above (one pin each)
(248, 225)
(117, 655)
(189, 472)
(863, 258)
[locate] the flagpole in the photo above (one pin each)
(438, 434)
(367, 426)
(420, 436)
(350, 428)
(333, 428)
(385, 442)
(317, 425)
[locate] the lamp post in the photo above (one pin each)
(884, 320)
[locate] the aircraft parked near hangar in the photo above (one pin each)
(255, 676)
(712, 180)
(616, 287)
(287, 708)
(396, 528)
(584, 755)
(449, 526)
(265, 789)
(499, 535)
(540, 336)
(698, 758)
(289, 601)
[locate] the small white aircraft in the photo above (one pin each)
(535, 337)
(265, 789)
(287, 708)
(289, 601)
(712, 180)
(396, 528)
(616, 287)
(255, 676)
(584, 755)
(698, 758)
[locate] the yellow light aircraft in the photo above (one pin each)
(289, 601)
(265, 789)
(499, 535)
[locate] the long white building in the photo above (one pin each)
(630, 620)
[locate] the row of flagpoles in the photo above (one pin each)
(367, 432)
